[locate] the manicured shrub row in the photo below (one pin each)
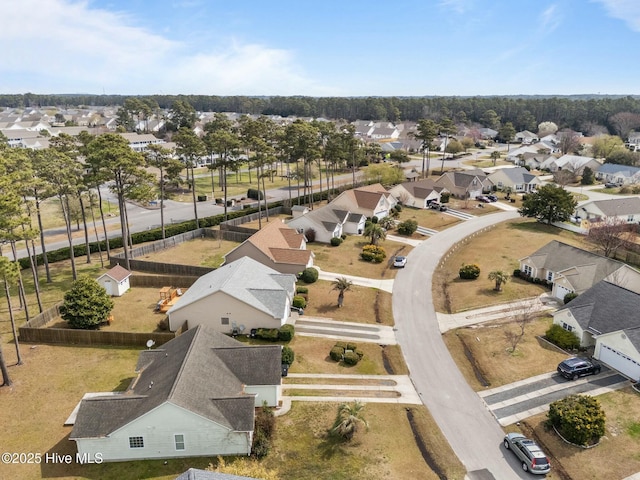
(564, 339)
(538, 281)
(284, 334)
(299, 301)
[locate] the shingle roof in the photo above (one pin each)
(202, 371)
(619, 206)
(248, 281)
(625, 170)
(606, 308)
(118, 273)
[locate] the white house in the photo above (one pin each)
(237, 297)
(572, 163)
(324, 223)
(517, 178)
(624, 209)
(418, 193)
(623, 174)
(606, 317)
(194, 396)
(115, 281)
(371, 201)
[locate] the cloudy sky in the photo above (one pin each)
(320, 48)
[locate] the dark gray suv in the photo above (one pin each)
(576, 367)
(528, 452)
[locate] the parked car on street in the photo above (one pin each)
(533, 459)
(399, 262)
(576, 367)
(612, 185)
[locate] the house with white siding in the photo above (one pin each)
(518, 179)
(194, 396)
(623, 209)
(418, 194)
(371, 201)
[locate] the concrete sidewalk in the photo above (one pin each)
(358, 332)
(386, 285)
(543, 303)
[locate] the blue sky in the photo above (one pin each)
(320, 48)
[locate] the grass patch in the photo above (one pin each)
(489, 348)
(202, 252)
(427, 218)
(499, 248)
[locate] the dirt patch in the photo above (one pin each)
(558, 469)
(386, 362)
(477, 371)
(376, 307)
(422, 446)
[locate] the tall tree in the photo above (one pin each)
(507, 132)
(303, 143)
(611, 235)
(190, 148)
(426, 132)
(162, 158)
(446, 128)
(10, 271)
(549, 203)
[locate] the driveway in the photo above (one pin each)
(386, 285)
(462, 416)
(338, 330)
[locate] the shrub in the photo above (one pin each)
(286, 333)
(309, 275)
(342, 345)
(360, 353)
(373, 253)
(302, 290)
(569, 296)
(255, 194)
(516, 272)
(299, 302)
(86, 304)
(351, 358)
(265, 425)
(444, 197)
(374, 219)
(408, 227)
(351, 346)
(163, 324)
(336, 353)
(562, 338)
(288, 356)
(310, 235)
(270, 334)
(343, 236)
(469, 271)
(398, 208)
(579, 418)
(335, 241)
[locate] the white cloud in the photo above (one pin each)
(626, 10)
(550, 19)
(458, 6)
(66, 46)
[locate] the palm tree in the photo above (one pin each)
(500, 278)
(342, 284)
(347, 420)
(387, 222)
(495, 155)
(375, 232)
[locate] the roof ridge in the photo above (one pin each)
(185, 358)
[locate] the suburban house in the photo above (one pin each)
(517, 178)
(516, 154)
(526, 137)
(568, 268)
(242, 295)
(194, 396)
(140, 142)
(624, 209)
(572, 163)
(417, 194)
(633, 141)
(622, 174)
(464, 184)
(115, 281)
(606, 317)
(321, 224)
(277, 246)
(371, 201)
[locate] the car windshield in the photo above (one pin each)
(399, 259)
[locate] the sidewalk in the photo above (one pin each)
(542, 303)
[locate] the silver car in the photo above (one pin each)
(528, 452)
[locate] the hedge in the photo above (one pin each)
(562, 338)
(286, 333)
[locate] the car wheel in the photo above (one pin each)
(506, 444)
(596, 371)
(575, 376)
(525, 467)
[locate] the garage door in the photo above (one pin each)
(621, 362)
(561, 292)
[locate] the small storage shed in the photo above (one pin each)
(115, 281)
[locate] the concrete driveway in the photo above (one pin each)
(462, 416)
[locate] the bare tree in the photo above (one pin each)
(569, 141)
(564, 177)
(610, 235)
(624, 122)
(523, 314)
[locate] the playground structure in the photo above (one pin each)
(168, 296)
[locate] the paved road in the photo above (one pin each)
(470, 428)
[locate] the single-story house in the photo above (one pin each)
(568, 268)
(526, 137)
(322, 224)
(516, 154)
(237, 297)
(194, 396)
(275, 245)
(517, 178)
(417, 194)
(572, 163)
(371, 200)
(623, 174)
(115, 281)
(606, 317)
(464, 184)
(625, 209)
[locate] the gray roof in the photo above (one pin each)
(625, 170)
(606, 308)
(518, 175)
(248, 281)
(328, 217)
(422, 188)
(197, 474)
(581, 268)
(619, 206)
(202, 371)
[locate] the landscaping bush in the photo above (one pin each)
(287, 355)
(398, 208)
(444, 197)
(335, 241)
(578, 418)
(286, 333)
(342, 345)
(302, 290)
(351, 346)
(270, 334)
(373, 253)
(351, 358)
(562, 338)
(516, 273)
(309, 275)
(343, 236)
(265, 425)
(86, 305)
(469, 271)
(299, 301)
(310, 235)
(408, 227)
(336, 353)
(569, 296)
(374, 219)
(360, 353)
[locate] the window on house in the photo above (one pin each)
(179, 439)
(527, 270)
(550, 276)
(630, 218)
(567, 327)
(224, 320)
(136, 442)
